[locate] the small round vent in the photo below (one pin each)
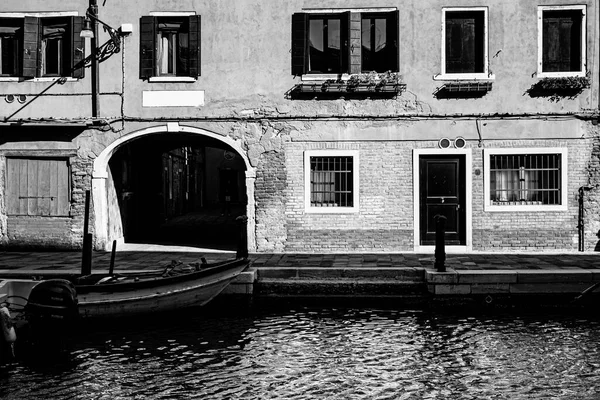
(444, 143)
(460, 143)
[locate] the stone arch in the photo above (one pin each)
(100, 175)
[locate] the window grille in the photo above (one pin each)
(533, 179)
(331, 181)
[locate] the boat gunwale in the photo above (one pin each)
(160, 280)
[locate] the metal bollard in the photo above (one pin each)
(440, 244)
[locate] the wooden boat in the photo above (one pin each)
(154, 291)
(135, 293)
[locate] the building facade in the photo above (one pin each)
(338, 129)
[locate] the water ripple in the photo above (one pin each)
(328, 353)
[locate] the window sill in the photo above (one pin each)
(525, 208)
(331, 210)
(464, 77)
(42, 79)
(324, 77)
(167, 79)
(571, 74)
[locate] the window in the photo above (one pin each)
(344, 43)
(11, 34)
(54, 47)
(464, 43)
(531, 179)
(33, 47)
(170, 46)
(331, 181)
(37, 187)
(561, 43)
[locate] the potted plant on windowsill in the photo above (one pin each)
(556, 88)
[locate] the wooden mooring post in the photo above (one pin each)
(86, 257)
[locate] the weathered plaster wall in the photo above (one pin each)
(245, 75)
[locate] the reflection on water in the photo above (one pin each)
(308, 353)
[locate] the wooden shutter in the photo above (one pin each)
(299, 43)
(194, 45)
(147, 46)
(464, 42)
(561, 41)
(77, 48)
(393, 40)
(345, 42)
(31, 47)
(355, 52)
(37, 187)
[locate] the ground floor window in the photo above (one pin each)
(331, 180)
(530, 178)
(37, 187)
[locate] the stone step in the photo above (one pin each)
(328, 287)
(333, 273)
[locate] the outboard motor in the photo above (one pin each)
(51, 313)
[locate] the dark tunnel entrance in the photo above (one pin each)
(181, 189)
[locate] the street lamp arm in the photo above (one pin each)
(114, 34)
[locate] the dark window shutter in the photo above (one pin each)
(194, 45)
(393, 40)
(147, 46)
(77, 48)
(355, 52)
(345, 45)
(464, 42)
(31, 39)
(561, 41)
(299, 43)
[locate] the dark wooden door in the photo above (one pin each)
(442, 191)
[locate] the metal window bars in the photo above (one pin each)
(531, 179)
(331, 181)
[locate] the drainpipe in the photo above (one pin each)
(93, 10)
(581, 222)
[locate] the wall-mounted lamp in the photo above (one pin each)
(88, 31)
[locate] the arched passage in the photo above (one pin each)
(137, 183)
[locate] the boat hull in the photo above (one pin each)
(194, 290)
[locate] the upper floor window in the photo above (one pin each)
(170, 46)
(561, 42)
(465, 43)
(54, 47)
(344, 43)
(33, 46)
(11, 41)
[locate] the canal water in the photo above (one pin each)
(322, 353)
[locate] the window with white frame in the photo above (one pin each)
(561, 40)
(170, 45)
(331, 180)
(465, 43)
(526, 179)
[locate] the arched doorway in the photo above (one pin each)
(173, 185)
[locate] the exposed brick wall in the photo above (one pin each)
(385, 219)
(53, 232)
(270, 187)
(41, 233)
(554, 230)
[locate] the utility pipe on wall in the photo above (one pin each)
(93, 10)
